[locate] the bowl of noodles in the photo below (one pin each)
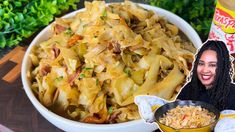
(187, 116)
(83, 71)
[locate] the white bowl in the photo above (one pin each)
(69, 125)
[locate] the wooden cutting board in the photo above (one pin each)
(15, 56)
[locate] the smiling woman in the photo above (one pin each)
(210, 79)
(206, 68)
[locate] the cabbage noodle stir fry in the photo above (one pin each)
(187, 117)
(95, 63)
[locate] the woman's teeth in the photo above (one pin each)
(205, 77)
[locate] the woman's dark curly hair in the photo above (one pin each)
(221, 85)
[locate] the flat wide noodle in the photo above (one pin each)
(96, 62)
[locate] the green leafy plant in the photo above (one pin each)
(198, 13)
(20, 19)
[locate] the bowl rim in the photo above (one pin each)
(25, 66)
(186, 103)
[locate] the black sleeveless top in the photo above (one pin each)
(204, 97)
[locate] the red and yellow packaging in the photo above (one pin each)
(223, 24)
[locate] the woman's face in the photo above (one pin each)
(206, 68)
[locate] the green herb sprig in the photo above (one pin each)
(20, 19)
(198, 13)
